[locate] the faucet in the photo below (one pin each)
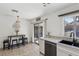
(73, 37)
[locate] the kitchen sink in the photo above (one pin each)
(66, 42)
(70, 43)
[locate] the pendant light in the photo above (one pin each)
(16, 25)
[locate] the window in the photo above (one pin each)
(71, 24)
(68, 24)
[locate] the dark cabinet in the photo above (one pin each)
(50, 49)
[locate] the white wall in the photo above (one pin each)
(26, 29)
(6, 28)
(55, 24)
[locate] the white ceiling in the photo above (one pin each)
(30, 10)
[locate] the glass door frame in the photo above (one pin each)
(38, 24)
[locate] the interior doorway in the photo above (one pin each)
(38, 32)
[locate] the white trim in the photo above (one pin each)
(45, 28)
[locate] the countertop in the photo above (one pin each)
(52, 40)
(70, 48)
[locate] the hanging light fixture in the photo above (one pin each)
(16, 25)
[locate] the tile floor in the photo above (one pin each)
(30, 49)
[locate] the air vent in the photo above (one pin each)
(13, 10)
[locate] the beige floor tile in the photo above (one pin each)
(30, 49)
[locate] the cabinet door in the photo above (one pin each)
(61, 52)
(42, 46)
(65, 51)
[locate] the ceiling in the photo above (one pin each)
(30, 10)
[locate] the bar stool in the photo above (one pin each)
(6, 44)
(14, 40)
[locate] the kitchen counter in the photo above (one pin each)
(52, 40)
(69, 48)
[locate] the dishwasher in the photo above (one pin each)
(50, 48)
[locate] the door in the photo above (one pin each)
(38, 32)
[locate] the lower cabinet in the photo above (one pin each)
(61, 52)
(64, 52)
(42, 46)
(50, 49)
